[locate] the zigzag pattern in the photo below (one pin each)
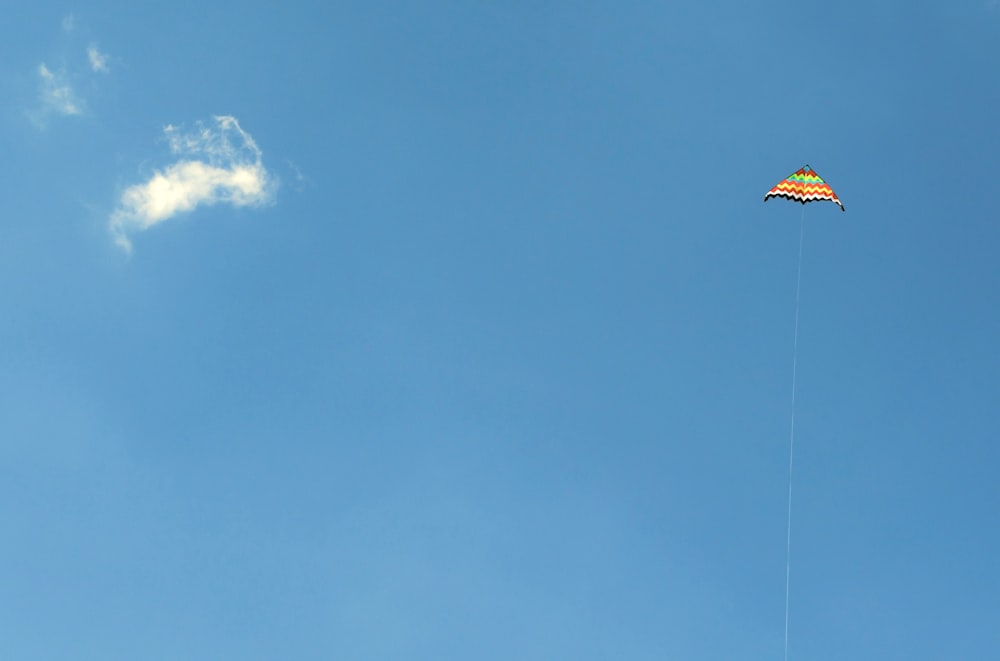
(804, 185)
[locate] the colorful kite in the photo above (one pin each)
(804, 185)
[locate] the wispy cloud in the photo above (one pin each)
(57, 94)
(98, 60)
(217, 162)
(59, 86)
(300, 179)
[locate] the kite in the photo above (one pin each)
(804, 185)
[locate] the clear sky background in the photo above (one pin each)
(460, 330)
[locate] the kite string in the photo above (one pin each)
(791, 440)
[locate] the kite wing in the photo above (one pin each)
(804, 185)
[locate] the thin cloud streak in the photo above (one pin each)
(98, 60)
(219, 163)
(57, 94)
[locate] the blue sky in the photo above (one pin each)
(438, 330)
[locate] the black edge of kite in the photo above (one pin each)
(791, 198)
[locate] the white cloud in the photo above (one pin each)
(98, 60)
(57, 94)
(217, 163)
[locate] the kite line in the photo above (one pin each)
(791, 439)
